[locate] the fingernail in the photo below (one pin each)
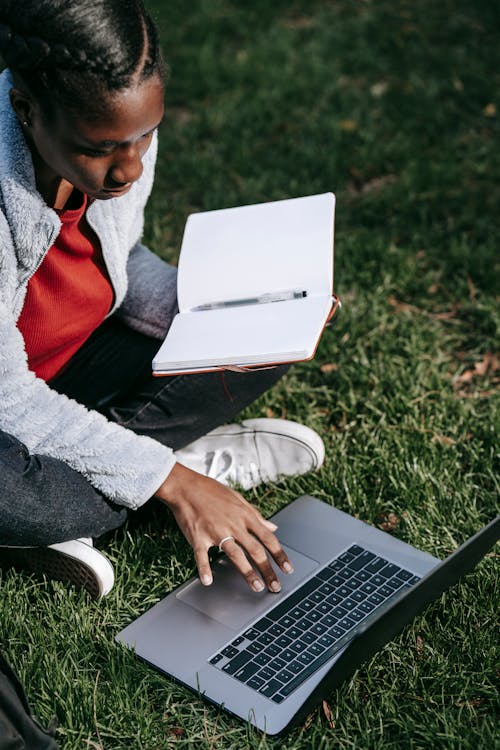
(271, 525)
(206, 580)
(287, 567)
(275, 586)
(257, 585)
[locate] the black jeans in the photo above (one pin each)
(44, 501)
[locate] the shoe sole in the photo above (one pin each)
(51, 563)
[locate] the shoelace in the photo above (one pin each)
(223, 467)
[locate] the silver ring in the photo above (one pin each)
(223, 541)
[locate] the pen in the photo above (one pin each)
(262, 299)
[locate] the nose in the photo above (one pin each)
(127, 166)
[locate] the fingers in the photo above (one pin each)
(203, 565)
(235, 553)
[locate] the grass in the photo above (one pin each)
(395, 107)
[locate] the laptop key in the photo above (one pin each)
(368, 588)
(239, 661)
(404, 575)
(356, 615)
(307, 637)
(255, 647)
(216, 658)
(272, 687)
(316, 597)
(291, 601)
(272, 650)
(316, 649)
(263, 624)
(336, 565)
(377, 580)
(334, 599)
(335, 633)
(319, 628)
(346, 623)
(345, 574)
(361, 575)
(394, 583)
(385, 591)
(237, 641)
(286, 621)
(314, 615)
(246, 672)
(256, 682)
(339, 612)
(355, 550)
(267, 673)
(288, 654)
(265, 639)
(376, 598)
(262, 660)
(358, 596)
(376, 565)
(229, 651)
(276, 630)
(305, 658)
(346, 557)
(278, 698)
(305, 623)
(349, 604)
(277, 664)
(298, 647)
(251, 634)
(329, 620)
(284, 676)
(283, 641)
(389, 570)
(295, 667)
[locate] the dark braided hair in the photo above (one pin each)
(75, 50)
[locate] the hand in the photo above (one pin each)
(207, 512)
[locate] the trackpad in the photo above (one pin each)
(229, 599)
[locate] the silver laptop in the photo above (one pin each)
(268, 658)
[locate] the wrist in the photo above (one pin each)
(170, 490)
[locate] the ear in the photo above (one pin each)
(24, 107)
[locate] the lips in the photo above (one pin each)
(116, 192)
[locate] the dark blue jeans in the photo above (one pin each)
(44, 501)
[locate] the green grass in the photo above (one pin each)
(395, 107)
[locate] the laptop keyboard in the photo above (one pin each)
(288, 644)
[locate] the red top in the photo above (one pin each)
(68, 297)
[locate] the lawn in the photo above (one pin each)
(395, 107)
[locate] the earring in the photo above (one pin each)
(25, 123)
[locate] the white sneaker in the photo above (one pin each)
(76, 561)
(254, 451)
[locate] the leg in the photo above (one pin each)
(44, 501)
(112, 373)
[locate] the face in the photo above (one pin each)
(100, 155)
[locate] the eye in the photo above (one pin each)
(95, 152)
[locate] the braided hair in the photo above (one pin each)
(76, 49)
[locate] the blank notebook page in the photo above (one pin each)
(261, 333)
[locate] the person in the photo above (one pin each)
(87, 435)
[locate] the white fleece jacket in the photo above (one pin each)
(126, 467)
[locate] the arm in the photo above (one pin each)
(151, 299)
(126, 467)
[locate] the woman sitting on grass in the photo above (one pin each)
(86, 434)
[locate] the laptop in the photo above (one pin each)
(269, 658)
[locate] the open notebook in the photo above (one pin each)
(255, 286)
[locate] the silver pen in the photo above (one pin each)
(262, 299)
